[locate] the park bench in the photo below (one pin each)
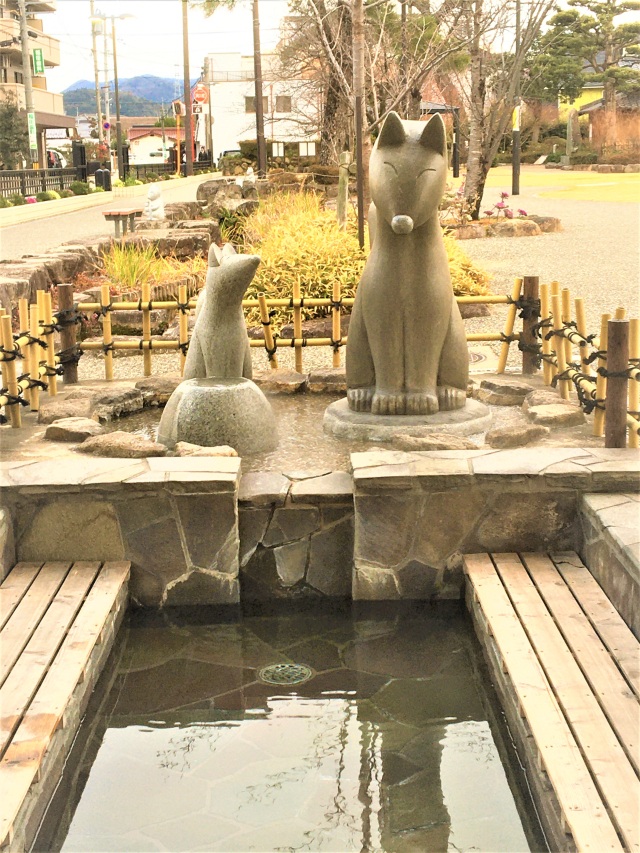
(567, 670)
(124, 217)
(58, 622)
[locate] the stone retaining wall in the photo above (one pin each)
(197, 533)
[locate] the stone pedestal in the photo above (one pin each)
(210, 412)
(474, 417)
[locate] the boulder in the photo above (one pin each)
(556, 415)
(182, 210)
(130, 322)
(183, 448)
(329, 380)
(515, 436)
(108, 404)
(72, 429)
(181, 244)
(209, 190)
(156, 390)
(547, 224)
(281, 381)
(435, 441)
(127, 445)
(543, 397)
(54, 409)
(502, 391)
(209, 225)
(513, 228)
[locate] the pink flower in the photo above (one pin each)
(31, 199)
(501, 205)
(508, 213)
(487, 212)
(522, 212)
(504, 195)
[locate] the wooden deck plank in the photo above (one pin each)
(14, 586)
(20, 766)
(27, 615)
(610, 688)
(610, 626)
(611, 770)
(31, 667)
(583, 811)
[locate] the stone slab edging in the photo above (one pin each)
(611, 550)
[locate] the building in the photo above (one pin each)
(291, 106)
(48, 106)
(151, 145)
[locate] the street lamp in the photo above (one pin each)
(101, 17)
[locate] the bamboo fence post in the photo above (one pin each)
(145, 298)
(615, 434)
(336, 330)
(509, 324)
(601, 381)
(530, 288)
(43, 352)
(621, 313)
(183, 324)
(10, 348)
(269, 342)
(34, 361)
(3, 363)
(634, 387)
(581, 323)
(547, 349)
(50, 340)
(297, 324)
(105, 310)
(23, 312)
(68, 334)
(566, 321)
(559, 345)
(343, 192)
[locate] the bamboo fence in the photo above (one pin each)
(550, 338)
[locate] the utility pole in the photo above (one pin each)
(358, 92)
(94, 33)
(257, 69)
(107, 93)
(188, 119)
(28, 85)
(121, 174)
(517, 111)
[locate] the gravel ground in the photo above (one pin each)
(596, 256)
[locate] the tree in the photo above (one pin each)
(492, 83)
(587, 32)
(14, 134)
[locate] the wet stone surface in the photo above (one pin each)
(390, 745)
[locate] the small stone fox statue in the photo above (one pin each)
(219, 347)
(406, 351)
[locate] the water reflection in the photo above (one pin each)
(390, 747)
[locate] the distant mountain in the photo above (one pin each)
(146, 86)
(84, 101)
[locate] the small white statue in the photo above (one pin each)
(154, 206)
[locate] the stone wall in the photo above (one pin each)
(611, 549)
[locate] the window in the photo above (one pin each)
(277, 149)
(17, 77)
(283, 103)
(250, 105)
(307, 149)
(3, 75)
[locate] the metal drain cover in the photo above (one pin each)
(285, 673)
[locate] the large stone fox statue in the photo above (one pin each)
(406, 351)
(219, 347)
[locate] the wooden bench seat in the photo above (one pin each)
(566, 668)
(57, 625)
(124, 217)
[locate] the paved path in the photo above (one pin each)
(30, 238)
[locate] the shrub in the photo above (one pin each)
(17, 199)
(66, 194)
(80, 188)
(152, 176)
(47, 195)
(298, 240)
(4, 202)
(130, 267)
(97, 189)
(325, 174)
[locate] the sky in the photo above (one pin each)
(150, 42)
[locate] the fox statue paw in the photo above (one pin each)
(450, 398)
(421, 403)
(360, 399)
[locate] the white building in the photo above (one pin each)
(291, 107)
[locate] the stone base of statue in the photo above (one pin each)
(342, 422)
(210, 412)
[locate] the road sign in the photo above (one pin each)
(106, 125)
(33, 136)
(38, 61)
(200, 94)
(196, 109)
(178, 108)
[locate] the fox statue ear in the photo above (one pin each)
(392, 133)
(434, 136)
(215, 255)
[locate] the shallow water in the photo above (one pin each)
(393, 744)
